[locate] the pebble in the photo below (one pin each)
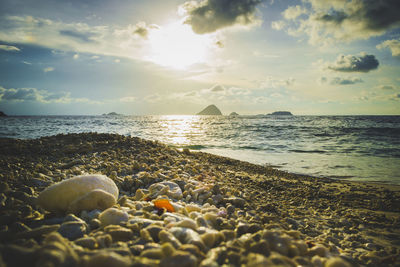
(119, 233)
(37, 232)
(113, 216)
(336, 262)
(107, 259)
(87, 242)
(181, 259)
(72, 229)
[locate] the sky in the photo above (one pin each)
(139, 57)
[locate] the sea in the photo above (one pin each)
(358, 148)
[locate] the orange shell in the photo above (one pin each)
(163, 203)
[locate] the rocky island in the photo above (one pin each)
(112, 114)
(210, 110)
(2, 114)
(281, 113)
(233, 114)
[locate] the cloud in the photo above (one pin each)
(143, 30)
(214, 93)
(127, 99)
(22, 94)
(293, 12)
(223, 91)
(48, 69)
(339, 20)
(219, 44)
(211, 15)
(10, 48)
(393, 45)
(217, 88)
(278, 25)
(395, 97)
(273, 82)
(32, 94)
(85, 37)
(76, 56)
(119, 41)
(41, 96)
(386, 87)
(340, 81)
(350, 63)
(153, 98)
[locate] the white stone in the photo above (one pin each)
(85, 192)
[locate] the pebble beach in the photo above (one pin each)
(174, 207)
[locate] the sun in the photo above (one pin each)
(177, 46)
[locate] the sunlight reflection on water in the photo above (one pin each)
(351, 147)
(177, 129)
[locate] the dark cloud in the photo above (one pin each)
(84, 37)
(379, 14)
(374, 15)
(143, 30)
(340, 20)
(336, 17)
(212, 15)
(350, 63)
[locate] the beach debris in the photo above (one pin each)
(85, 192)
(163, 204)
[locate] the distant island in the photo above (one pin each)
(233, 114)
(2, 114)
(112, 114)
(281, 113)
(210, 110)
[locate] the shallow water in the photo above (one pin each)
(365, 148)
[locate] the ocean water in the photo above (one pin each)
(363, 148)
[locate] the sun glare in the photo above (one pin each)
(177, 46)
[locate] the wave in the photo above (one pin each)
(308, 151)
